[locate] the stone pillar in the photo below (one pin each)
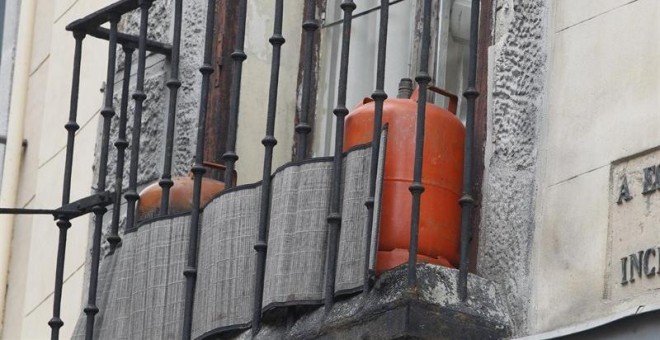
(517, 63)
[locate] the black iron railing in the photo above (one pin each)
(198, 171)
(467, 201)
(379, 97)
(269, 142)
(91, 25)
(310, 26)
(334, 217)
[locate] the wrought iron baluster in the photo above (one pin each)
(379, 97)
(269, 143)
(238, 56)
(198, 170)
(310, 26)
(173, 84)
(467, 201)
(417, 188)
(107, 112)
(139, 96)
(63, 222)
(121, 144)
(334, 217)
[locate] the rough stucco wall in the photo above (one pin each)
(516, 98)
(154, 116)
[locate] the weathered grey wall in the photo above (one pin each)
(154, 116)
(517, 70)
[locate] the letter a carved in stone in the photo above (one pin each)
(624, 191)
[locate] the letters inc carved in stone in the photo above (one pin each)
(634, 226)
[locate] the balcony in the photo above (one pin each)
(292, 255)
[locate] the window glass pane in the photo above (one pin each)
(449, 59)
(362, 61)
(452, 51)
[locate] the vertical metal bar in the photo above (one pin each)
(139, 96)
(310, 25)
(417, 188)
(269, 142)
(173, 84)
(238, 56)
(467, 201)
(107, 112)
(63, 222)
(198, 170)
(121, 144)
(379, 97)
(334, 217)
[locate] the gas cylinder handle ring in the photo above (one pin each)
(453, 99)
(220, 167)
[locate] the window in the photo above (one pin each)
(449, 55)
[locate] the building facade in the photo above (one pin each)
(566, 173)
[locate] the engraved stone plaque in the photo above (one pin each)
(634, 226)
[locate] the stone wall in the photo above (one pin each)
(154, 116)
(602, 122)
(517, 70)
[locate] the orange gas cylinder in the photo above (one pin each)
(442, 176)
(181, 194)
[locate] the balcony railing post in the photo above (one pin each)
(139, 96)
(417, 188)
(467, 201)
(334, 217)
(238, 56)
(121, 144)
(198, 170)
(107, 112)
(310, 26)
(63, 222)
(379, 97)
(173, 84)
(269, 142)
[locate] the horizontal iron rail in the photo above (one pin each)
(24, 211)
(70, 211)
(128, 39)
(365, 12)
(102, 15)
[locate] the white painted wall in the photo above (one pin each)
(255, 86)
(603, 95)
(10, 26)
(34, 246)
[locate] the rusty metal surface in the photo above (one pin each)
(217, 116)
(480, 121)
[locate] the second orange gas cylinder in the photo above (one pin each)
(442, 176)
